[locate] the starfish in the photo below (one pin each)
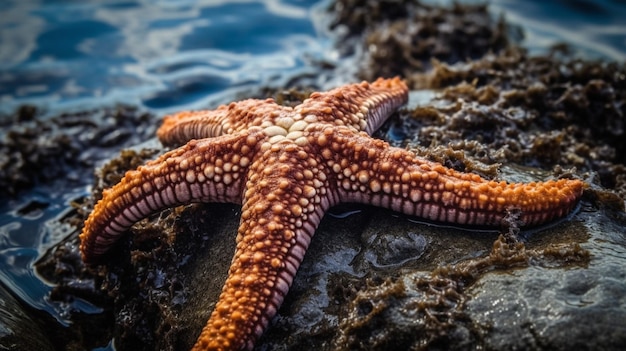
(286, 167)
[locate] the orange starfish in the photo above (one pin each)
(287, 167)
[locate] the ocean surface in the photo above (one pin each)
(169, 55)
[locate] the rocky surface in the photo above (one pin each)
(402, 37)
(18, 330)
(65, 147)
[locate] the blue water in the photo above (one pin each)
(163, 55)
(26, 232)
(594, 28)
(170, 55)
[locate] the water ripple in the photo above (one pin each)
(70, 55)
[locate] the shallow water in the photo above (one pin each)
(162, 55)
(595, 28)
(167, 55)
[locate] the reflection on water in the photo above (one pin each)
(61, 55)
(28, 227)
(70, 54)
(169, 55)
(594, 28)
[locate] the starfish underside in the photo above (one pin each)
(286, 167)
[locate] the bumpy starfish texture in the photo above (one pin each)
(287, 167)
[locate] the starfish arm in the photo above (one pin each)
(370, 171)
(287, 166)
(364, 106)
(181, 127)
(211, 170)
(282, 209)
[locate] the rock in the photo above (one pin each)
(18, 330)
(62, 148)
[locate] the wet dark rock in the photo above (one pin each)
(403, 37)
(516, 108)
(422, 310)
(26, 113)
(18, 330)
(75, 285)
(100, 286)
(61, 148)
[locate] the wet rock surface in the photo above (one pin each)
(18, 331)
(64, 147)
(375, 280)
(533, 111)
(401, 37)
